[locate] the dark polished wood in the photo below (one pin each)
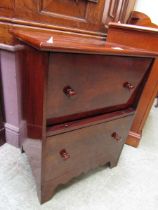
(60, 42)
(83, 82)
(86, 149)
(97, 138)
(33, 73)
(87, 75)
(76, 152)
(74, 94)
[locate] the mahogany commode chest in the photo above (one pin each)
(79, 102)
(82, 83)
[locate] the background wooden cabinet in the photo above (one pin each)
(88, 16)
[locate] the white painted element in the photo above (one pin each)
(50, 40)
(12, 127)
(11, 48)
(117, 48)
(10, 72)
(150, 8)
(15, 135)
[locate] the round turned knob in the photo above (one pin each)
(64, 154)
(69, 91)
(116, 136)
(128, 85)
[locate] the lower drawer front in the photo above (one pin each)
(69, 154)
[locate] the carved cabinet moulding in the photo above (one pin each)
(113, 8)
(124, 7)
(117, 9)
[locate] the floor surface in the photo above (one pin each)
(132, 185)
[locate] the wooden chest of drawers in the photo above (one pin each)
(79, 103)
(80, 92)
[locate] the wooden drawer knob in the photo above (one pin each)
(116, 136)
(69, 91)
(128, 85)
(64, 154)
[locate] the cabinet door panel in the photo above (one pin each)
(90, 16)
(75, 9)
(80, 14)
(7, 8)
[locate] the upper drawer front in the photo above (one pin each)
(78, 84)
(71, 153)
